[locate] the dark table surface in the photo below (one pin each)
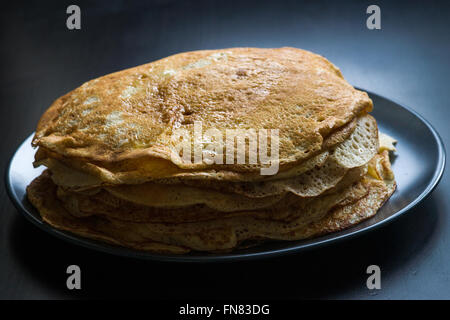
(407, 60)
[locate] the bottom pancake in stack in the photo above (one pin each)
(350, 183)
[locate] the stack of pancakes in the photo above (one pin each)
(112, 174)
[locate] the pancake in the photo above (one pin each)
(73, 170)
(353, 152)
(74, 173)
(381, 185)
(120, 166)
(309, 184)
(42, 194)
(333, 212)
(132, 114)
(128, 208)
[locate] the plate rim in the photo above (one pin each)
(131, 253)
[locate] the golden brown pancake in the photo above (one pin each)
(113, 174)
(131, 209)
(333, 212)
(73, 171)
(132, 114)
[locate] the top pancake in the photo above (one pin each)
(132, 114)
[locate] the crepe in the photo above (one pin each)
(141, 170)
(131, 208)
(333, 212)
(131, 115)
(115, 173)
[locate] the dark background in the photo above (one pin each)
(408, 61)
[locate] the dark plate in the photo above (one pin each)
(418, 166)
